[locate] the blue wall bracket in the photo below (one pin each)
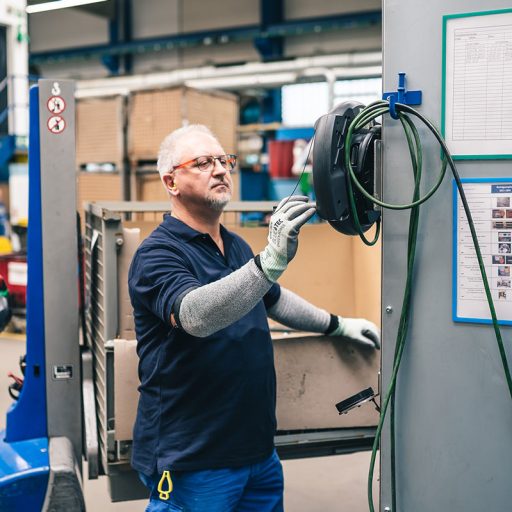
(402, 96)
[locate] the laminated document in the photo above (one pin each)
(490, 203)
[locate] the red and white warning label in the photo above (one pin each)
(56, 124)
(56, 104)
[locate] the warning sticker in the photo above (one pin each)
(56, 105)
(56, 124)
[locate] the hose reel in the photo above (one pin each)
(330, 176)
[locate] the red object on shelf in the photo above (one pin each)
(13, 267)
(280, 154)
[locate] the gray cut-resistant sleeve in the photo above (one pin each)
(212, 307)
(297, 313)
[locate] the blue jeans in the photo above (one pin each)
(254, 488)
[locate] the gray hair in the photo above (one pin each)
(170, 152)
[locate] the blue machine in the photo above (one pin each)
(41, 448)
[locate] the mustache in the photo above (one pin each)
(222, 182)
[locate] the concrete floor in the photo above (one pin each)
(325, 484)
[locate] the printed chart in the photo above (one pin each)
(490, 203)
(478, 85)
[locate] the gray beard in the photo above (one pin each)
(218, 203)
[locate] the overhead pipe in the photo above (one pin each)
(126, 84)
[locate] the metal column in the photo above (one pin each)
(454, 413)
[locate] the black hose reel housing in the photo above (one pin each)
(330, 176)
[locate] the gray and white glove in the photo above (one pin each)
(291, 214)
(358, 330)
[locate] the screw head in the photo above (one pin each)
(119, 241)
(389, 309)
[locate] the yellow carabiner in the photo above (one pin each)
(166, 477)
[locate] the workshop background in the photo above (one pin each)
(259, 73)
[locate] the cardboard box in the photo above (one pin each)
(126, 383)
(323, 276)
(97, 186)
(131, 241)
(100, 131)
(313, 373)
(154, 114)
(149, 187)
(332, 271)
(336, 273)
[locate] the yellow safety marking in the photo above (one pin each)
(166, 478)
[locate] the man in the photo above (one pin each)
(203, 437)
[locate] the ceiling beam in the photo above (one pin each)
(271, 14)
(209, 37)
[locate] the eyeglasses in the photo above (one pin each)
(207, 163)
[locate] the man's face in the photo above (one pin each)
(211, 189)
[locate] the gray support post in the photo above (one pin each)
(60, 261)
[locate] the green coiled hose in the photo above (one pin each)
(366, 116)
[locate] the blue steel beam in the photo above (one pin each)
(209, 37)
(128, 33)
(271, 106)
(120, 31)
(7, 148)
(112, 62)
(271, 13)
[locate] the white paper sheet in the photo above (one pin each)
(478, 85)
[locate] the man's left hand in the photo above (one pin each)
(358, 330)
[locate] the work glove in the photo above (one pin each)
(291, 214)
(358, 330)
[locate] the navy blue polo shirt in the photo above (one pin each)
(209, 402)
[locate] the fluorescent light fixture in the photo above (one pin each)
(59, 4)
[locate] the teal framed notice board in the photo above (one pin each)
(477, 84)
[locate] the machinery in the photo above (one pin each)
(331, 175)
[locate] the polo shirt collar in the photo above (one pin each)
(179, 228)
(186, 233)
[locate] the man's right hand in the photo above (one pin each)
(291, 214)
